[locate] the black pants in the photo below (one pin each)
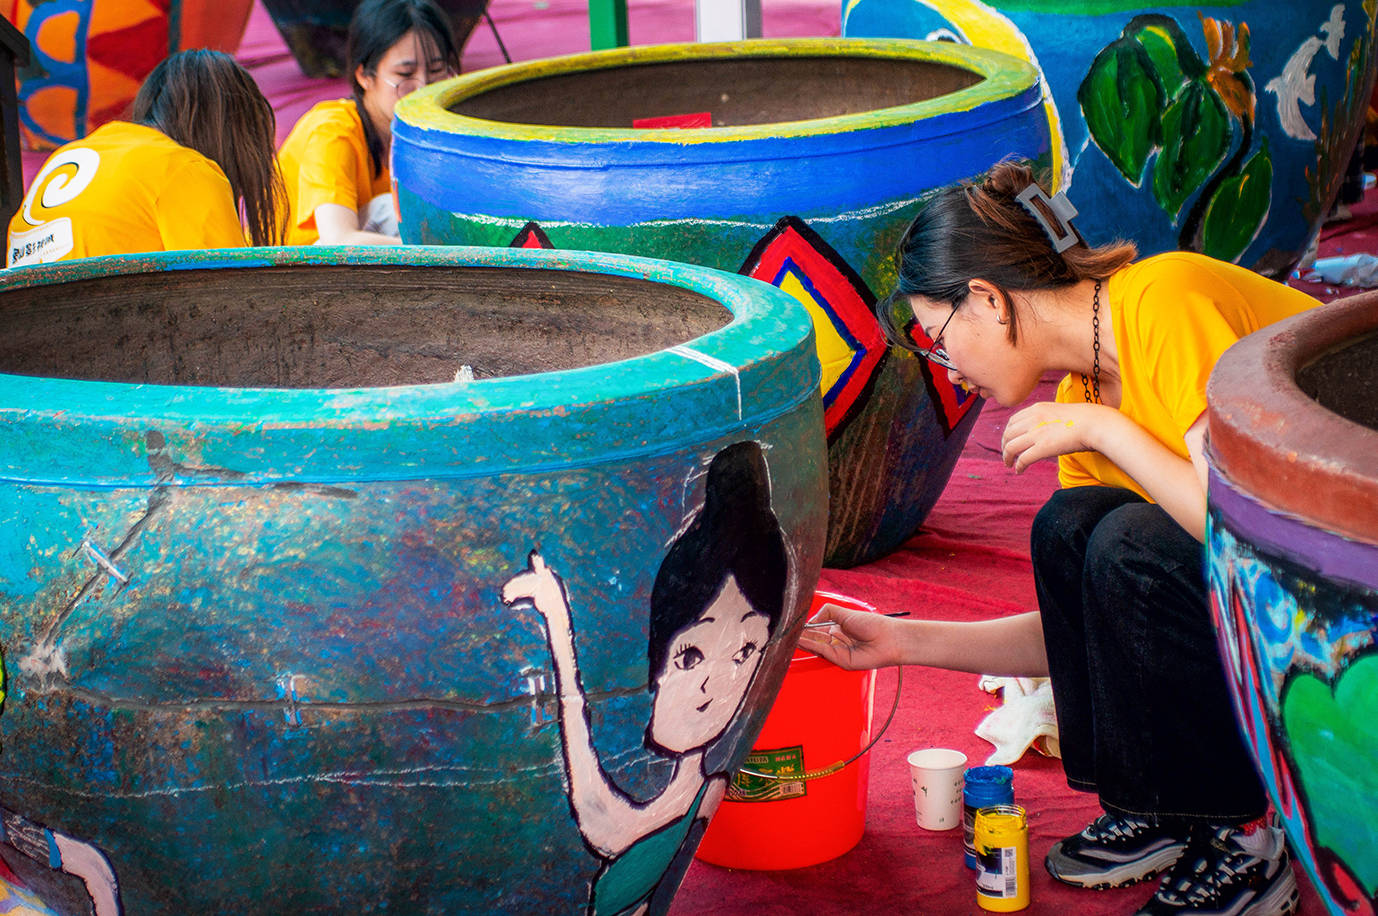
(1144, 713)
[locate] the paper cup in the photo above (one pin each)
(936, 773)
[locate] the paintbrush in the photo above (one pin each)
(830, 623)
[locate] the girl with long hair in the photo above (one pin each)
(335, 160)
(197, 153)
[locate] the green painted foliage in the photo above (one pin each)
(1168, 47)
(1158, 44)
(1333, 738)
(1238, 208)
(1196, 138)
(1122, 100)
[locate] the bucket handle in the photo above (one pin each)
(832, 768)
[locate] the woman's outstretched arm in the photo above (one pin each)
(1005, 646)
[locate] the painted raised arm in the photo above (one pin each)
(604, 813)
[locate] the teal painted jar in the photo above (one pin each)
(1222, 128)
(798, 162)
(1292, 548)
(351, 580)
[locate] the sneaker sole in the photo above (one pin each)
(1283, 899)
(1122, 875)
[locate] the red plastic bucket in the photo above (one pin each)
(821, 716)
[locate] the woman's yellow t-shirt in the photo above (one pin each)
(1173, 316)
(124, 188)
(325, 160)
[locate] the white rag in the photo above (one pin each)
(1025, 719)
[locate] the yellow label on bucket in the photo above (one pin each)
(773, 765)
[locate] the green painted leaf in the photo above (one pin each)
(1332, 739)
(1168, 47)
(1122, 101)
(1196, 138)
(1238, 208)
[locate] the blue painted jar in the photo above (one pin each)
(1222, 128)
(320, 570)
(982, 787)
(819, 154)
(1292, 564)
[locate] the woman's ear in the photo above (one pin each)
(362, 78)
(987, 294)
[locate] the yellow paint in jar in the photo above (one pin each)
(1002, 858)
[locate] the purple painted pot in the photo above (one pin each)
(1292, 535)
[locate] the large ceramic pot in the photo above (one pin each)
(87, 59)
(1223, 129)
(347, 580)
(317, 31)
(818, 156)
(1292, 534)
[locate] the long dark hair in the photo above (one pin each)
(377, 26)
(735, 534)
(206, 101)
(977, 229)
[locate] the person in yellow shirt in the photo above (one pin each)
(335, 160)
(199, 148)
(997, 288)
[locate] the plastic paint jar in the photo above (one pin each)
(1002, 855)
(982, 787)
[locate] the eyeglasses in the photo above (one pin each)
(411, 84)
(901, 328)
(936, 353)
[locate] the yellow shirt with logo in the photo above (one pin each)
(1173, 316)
(124, 188)
(325, 160)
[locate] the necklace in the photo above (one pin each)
(1091, 387)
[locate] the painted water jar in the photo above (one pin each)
(1292, 537)
(1223, 128)
(88, 57)
(317, 31)
(350, 580)
(798, 162)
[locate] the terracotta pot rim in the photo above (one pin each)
(1003, 76)
(1271, 440)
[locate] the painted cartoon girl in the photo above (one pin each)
(717, 598)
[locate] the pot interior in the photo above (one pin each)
(346, 326)
(734, 91)
(1345, 380)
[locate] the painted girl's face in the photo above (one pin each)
(706, 674)
(412, 62)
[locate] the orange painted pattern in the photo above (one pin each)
(91, 56)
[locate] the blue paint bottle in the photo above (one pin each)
(982, 787)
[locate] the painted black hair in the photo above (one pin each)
(377, 25)
(735, 534)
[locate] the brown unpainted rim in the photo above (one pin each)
(1277, 444)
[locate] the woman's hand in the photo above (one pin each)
(1048, 429)
(857, 640)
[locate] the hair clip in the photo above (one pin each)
(1061, 234)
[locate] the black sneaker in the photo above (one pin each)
(1114, 851)
(1226, 872)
